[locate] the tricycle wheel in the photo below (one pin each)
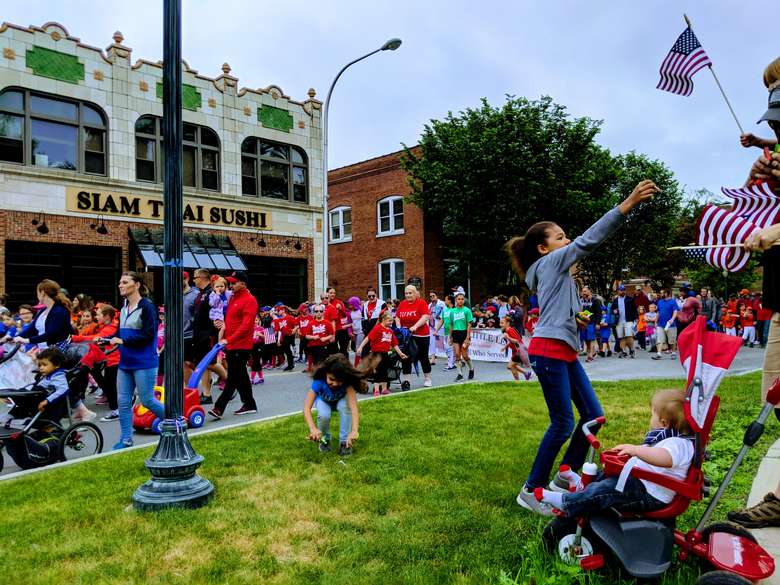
(156, 426)
(196, 419)
(721, 578)
(555, 530)
(728, 528)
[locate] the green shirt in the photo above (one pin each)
(445, 320)
(460, 318)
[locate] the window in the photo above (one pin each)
(390, 216)
(200, 154)
(278, 171)
(47, 131)
(391, 278)
(340, 222)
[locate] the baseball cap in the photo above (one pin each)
(238, 276)
(744, 291)
(266, 309)
(279, 304)
(458, 290)
(185, 275)
(773, 111)
(621, 287)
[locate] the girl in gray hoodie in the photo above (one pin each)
(545, 255)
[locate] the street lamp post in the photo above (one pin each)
(390, 45)
(173, 465)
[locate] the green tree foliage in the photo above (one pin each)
(487, 174)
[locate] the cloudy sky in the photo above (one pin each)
(600, 59)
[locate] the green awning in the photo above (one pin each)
(201, 250)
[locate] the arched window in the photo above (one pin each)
(390, 216)
(200, 154)
(391, 278)
(48, 131)
(274, 170)
(340, 221)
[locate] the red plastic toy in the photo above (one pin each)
(145, 420)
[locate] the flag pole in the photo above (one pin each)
(711, 246)
(717, 81)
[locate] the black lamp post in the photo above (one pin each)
(173, 465)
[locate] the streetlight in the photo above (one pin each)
(390, 45)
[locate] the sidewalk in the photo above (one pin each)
(766, 481)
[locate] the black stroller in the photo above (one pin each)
(56, 436)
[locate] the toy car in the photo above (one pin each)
(145, 420)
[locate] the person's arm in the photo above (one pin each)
(246, 327)
(467, 341)
(763, 239)
(398, 351)
(749, 139)
(420, 322)
(314, 433)
(353, 406)
(59, 384)
(657, 456)
(58, 326)
(363, 343)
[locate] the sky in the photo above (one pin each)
(599, 59)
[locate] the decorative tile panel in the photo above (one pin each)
(190, 96)
(275, 118)
(56, 65)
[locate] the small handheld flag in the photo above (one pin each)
(685, 59)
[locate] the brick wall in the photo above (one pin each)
(353, 265)
(15, 225)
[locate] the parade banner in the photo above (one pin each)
(487, 345)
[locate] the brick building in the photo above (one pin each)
(81, 172)
(377, 239)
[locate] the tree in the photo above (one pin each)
(488, 174)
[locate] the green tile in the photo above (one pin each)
(56, 65)
(275, 118)
(190, 96)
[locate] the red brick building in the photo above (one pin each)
(376, 238)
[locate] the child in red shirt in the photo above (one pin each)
(381, 339)
(319, 335)
(518, 355)
(748, 326)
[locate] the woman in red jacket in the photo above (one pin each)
(413, 314)
(239, 340)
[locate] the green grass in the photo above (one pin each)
(428, 497)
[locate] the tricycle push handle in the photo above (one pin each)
(594, 442)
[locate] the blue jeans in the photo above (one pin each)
(127, 381)
(600, 495)
(562, 383)
(324, 410)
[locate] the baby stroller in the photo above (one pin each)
(643, 543)
(408, 346)
(62, 441)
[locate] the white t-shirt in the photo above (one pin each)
(681, 451)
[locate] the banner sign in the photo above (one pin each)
(142, 207)
(487, 345)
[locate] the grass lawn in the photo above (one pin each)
(428, 497)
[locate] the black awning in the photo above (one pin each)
(201, 250)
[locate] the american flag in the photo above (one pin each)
(756, 203)
(684, 60)
(697, 253)
(720, 226)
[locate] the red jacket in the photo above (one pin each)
(240, 320)
(95, 354)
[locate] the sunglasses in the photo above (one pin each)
(315, 312)
(371, 296)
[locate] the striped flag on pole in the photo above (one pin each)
(720, 226)
(755, 203)
(685, 59)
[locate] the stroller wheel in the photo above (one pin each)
(406, 385)
(721, 578)
(81, 440)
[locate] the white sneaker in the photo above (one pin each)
(85, 415)
(427, 383)
(528, 501)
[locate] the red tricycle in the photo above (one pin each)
(145, 420)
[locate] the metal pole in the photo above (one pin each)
(391, 45)
(717, 81)
(173, 465)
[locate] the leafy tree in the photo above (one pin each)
(487, 174)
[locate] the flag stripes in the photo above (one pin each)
(685, 59)
(720, 226)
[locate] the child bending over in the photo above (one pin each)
(518, 355)
(667, 450)
(334, 387)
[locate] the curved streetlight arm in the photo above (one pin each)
(325, 116)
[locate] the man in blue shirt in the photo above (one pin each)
(666, 331)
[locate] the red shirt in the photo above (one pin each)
(382, 339)
(96, 354)
(321, 329)
(286, 324)
(240, 320)
(552, 348)
(747, 319)
(514, 335)
(409, 313)
(303, 324)
(337, 312)
(370, 306)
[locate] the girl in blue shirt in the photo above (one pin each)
(334, 386)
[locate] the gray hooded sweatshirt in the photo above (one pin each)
(559, 298)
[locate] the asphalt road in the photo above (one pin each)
(283, 392)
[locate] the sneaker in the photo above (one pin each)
(428, 383)
(601, 354)
(622, 354)
(216, 413)
(448, 368)
(385, 392)
(673, 355)
(84, 415)
(632, 354)
(122, 445)
(101, 401)
(527, 375)
(609, 353)
(765, 513)
(528, 501)
(344, 451)
(471, 374)
(407, 385)
(459, 377)
(559, 484)
(245, 410)
(113, 415)
(206, 399)
(376, 392)
(655, 357)
(324, 446)
(289, 368)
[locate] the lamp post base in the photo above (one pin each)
(173, 465)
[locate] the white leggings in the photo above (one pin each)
(749, 334)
